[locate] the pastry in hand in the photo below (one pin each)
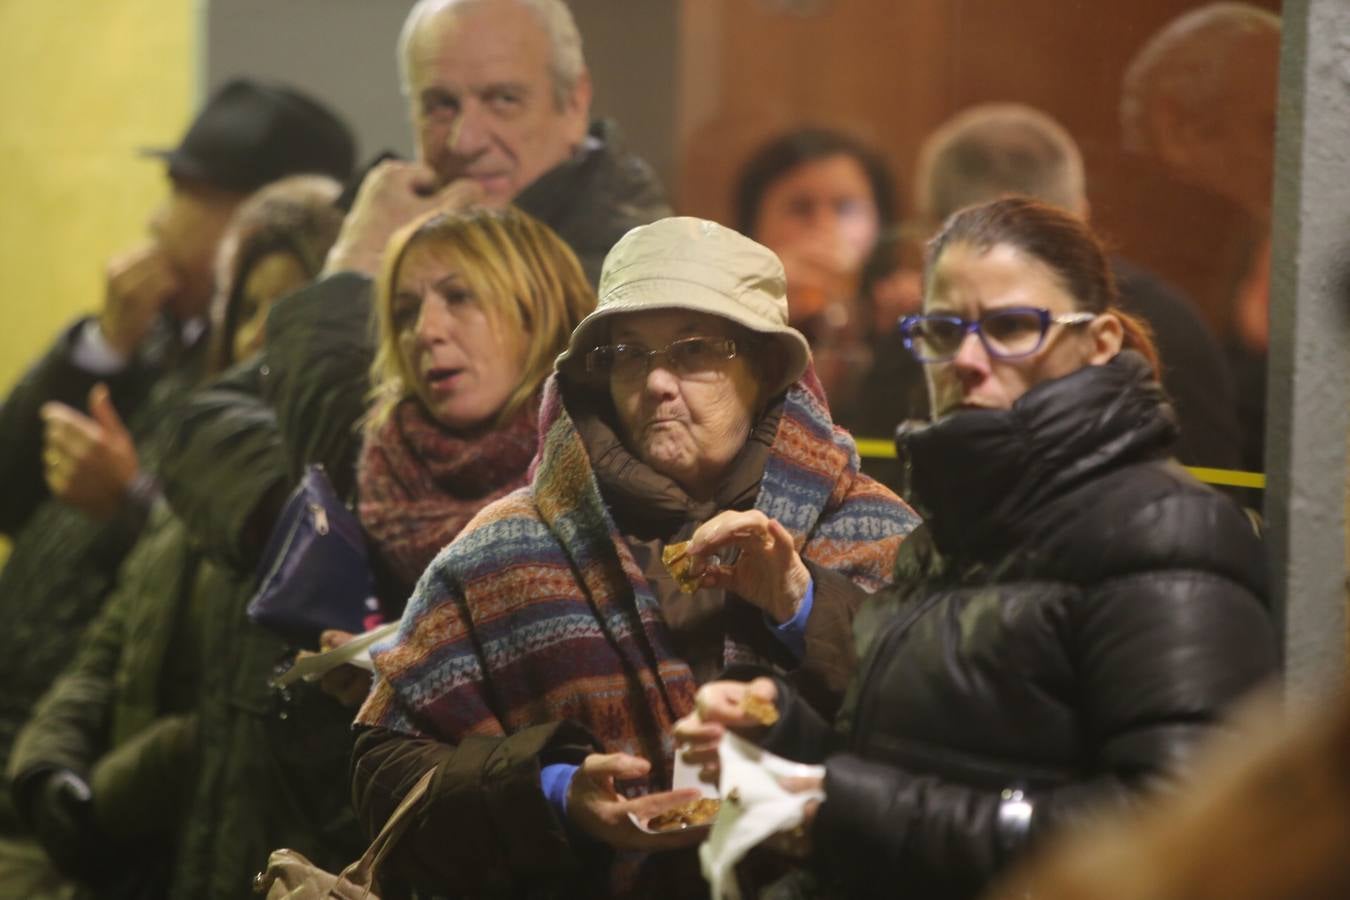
(761, 710)
(678, 563)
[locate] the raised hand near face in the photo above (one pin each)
(394, 194)
(140, 283)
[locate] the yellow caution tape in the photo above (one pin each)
(1229, 477)
(877, 448)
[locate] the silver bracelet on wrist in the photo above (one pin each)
(1014, 818)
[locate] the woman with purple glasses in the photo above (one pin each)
(1073, 617)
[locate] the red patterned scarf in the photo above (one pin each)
(420, 483)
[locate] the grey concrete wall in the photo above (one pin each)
(342, 51)
(1309, 376)
(631, 48)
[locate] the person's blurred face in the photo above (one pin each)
(827, 203)
(970, 282)
(270, 278)
(1241, 155)
(1226, 144)
(465, 367)
(483, 100)
(687, 426)
(186, 228)
(898, 294)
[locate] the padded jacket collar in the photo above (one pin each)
(980, 476)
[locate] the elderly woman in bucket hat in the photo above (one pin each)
(547, 653)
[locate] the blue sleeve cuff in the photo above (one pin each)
(555, 779)
(793, 632)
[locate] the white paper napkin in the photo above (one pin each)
(762, 807)
(356, 652)
(686, 776)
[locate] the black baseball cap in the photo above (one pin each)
(250, 133)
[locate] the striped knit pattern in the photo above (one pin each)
(538, 611)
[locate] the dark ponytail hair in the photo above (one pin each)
(1059, 241)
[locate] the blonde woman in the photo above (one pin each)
(472, 309)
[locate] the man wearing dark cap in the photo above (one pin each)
(78, 488)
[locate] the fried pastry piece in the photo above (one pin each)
(689, 815)
(761, 710)
(678, 563)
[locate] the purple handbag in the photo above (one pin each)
(315, 573)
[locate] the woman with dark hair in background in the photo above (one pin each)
(820, 199)
(1073, 617)
(892, 388)
(275, 245)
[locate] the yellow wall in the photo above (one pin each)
(82, 86)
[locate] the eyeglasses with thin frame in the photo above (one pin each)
(689, 357)
(1013, 332)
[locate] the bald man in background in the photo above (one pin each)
(992, 150)
(1198, 110)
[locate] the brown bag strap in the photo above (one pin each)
(362, 872)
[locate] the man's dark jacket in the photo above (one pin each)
(63, 564)
(266, 768)
(594, 198)
(123, 714)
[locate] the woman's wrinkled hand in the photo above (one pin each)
(720, 705)
(766, 569)
(595, 806)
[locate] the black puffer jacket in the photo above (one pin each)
(1071, 621)
(273, 769)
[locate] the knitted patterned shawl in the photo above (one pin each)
(420, 483)
(538, 611)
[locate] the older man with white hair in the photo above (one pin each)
(499, 98)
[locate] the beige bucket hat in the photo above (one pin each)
(701, 266)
